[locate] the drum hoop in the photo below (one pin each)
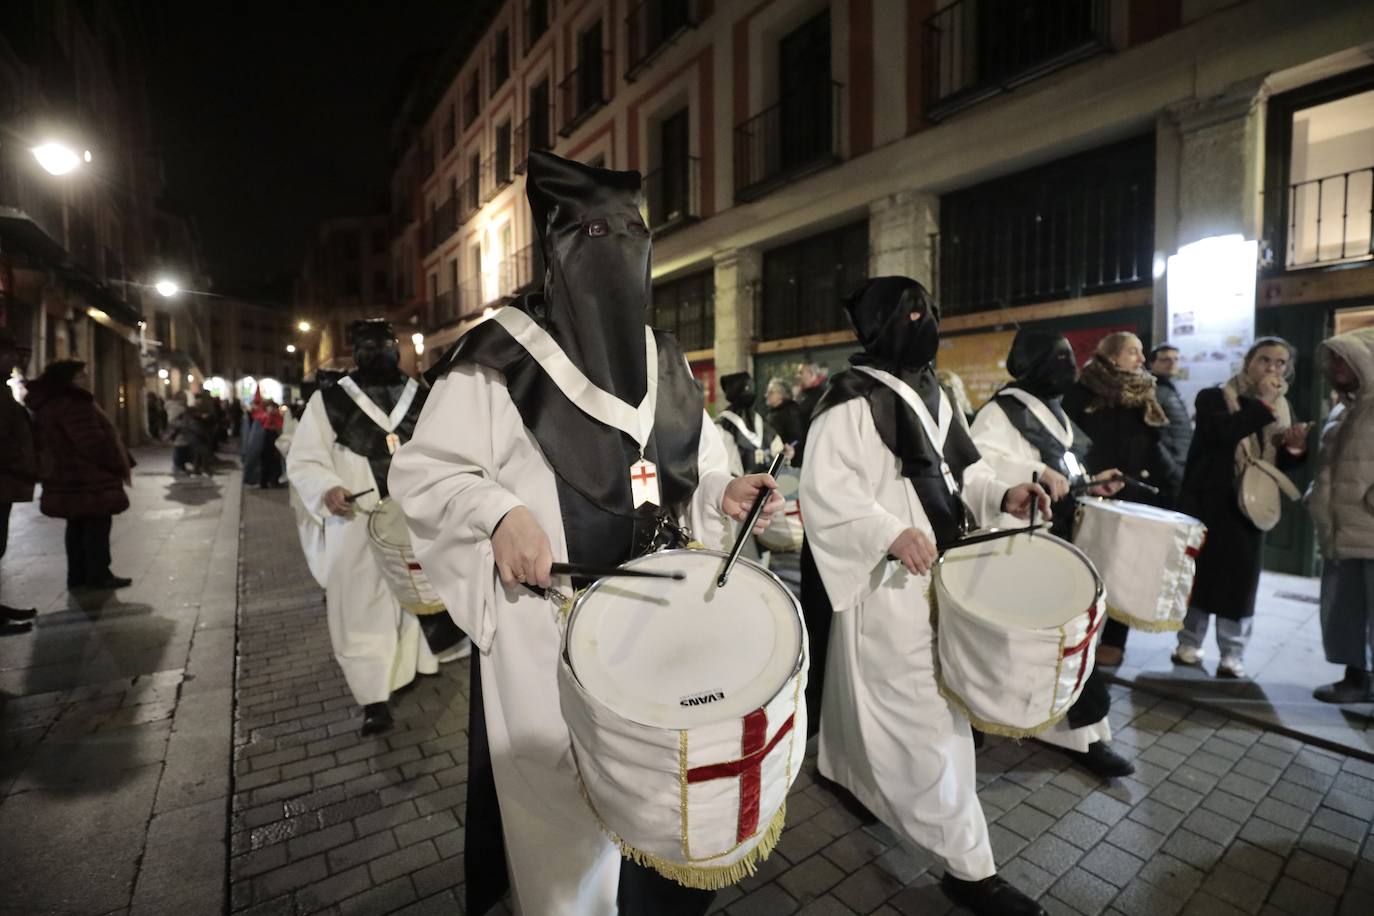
(1155, 513)
(583, 596)
(1099, 587)
(372, 529)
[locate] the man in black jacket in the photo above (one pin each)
(1174, 438)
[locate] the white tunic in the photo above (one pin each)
(470, 462)
(1015, 459)
(378, 646)
(886, 733)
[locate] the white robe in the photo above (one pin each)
(886, 733)
(1015, 459)
(379, 646)
(470, 462)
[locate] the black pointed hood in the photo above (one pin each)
(597, 256)
(1042, 363)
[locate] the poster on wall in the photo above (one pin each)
(1211, 316)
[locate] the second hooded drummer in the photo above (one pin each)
(891, 471)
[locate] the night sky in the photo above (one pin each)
(270, 117)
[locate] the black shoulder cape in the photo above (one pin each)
(357, 432)
(591, 461)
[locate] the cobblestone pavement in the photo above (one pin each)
(115, 708)
(1221, 818)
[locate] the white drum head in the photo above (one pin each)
(1032, 582)
(387, 525)
(683, 654)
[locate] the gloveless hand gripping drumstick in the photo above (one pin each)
(748, 527)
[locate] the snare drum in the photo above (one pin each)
(1146, 555)
(685, 707)
(1018, 624)
(784, 532)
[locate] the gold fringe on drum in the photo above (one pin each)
(424, 610)
(994, 728)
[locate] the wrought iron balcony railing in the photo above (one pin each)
(583, 91)
(796, 136)
(535, 132)
(527, 269)
(974, 49)
(469, 200)
(673, 194)
(651, 27)
(1331, 219)
(496, 174)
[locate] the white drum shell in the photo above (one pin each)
(1147, 557)
(635, 777)
(390, 541)
(1017, 680)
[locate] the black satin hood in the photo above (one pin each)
(597, 256)
(376, 353)
(738, 388)
(881, 313)
(1042, 363)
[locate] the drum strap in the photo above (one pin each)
(937, 433)
(595, 402)
(754, 437)
(370, 408)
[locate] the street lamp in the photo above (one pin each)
(59, 158)
(290, 348)
(303, 327)
(166, 288)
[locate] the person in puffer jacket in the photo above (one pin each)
(1341, 500)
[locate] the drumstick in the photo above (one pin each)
(585, 571)
(1035, 479)
(1084, 485)
(352, 496)
(943, 546)
(754, 512)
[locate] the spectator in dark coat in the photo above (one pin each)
(784, 415)
(1114, 403)
(85, 473)
(1177, 434)
(811, 384)
(1248, 417)
(18, 467)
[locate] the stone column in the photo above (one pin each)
(738, 275)
(1209, 169)
(900, 228)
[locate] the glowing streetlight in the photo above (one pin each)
(58, 158)
(166, 288)
(418, 340)
(303, 326)
(290, 348)
(162, 374)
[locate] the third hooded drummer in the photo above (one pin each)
(890, 471)
(1021, 431)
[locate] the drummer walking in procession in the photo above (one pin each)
(340, 455)
(1023, 431)
(562, 429)
(890, 472)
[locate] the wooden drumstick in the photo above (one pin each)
(754, 512)
(1030, 528)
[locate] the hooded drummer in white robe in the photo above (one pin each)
(1022, 432)
(343, 445)
(561, 429)
(890, 472)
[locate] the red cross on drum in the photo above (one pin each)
(685, 707)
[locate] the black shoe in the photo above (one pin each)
(17, 615)
(1100, 760)
(990, 897)
(376, 719)
(15, 629)
(1353, 688)
(112, 582)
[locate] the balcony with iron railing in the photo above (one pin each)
(1331, 220)
(535, 132)
(536, 21)
(527, 269)
(975, 49)
(496, 175)
(584, 91)
(798, 135)
(652, 26)
(469, 198)
(672, 194)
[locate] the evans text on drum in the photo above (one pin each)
(1146, 555)
(1018, 624)
(684, 703)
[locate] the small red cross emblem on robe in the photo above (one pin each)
(644, 483)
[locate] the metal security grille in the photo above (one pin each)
(804, 283)
(1075, 227)
(687, 307)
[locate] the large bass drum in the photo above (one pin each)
(390, 540)
(684, 704)
(1018, 624)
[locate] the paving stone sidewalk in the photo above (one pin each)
(115, 708)
(1221, 818)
